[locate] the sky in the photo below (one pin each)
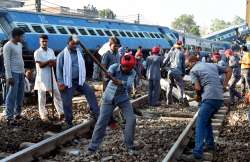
(163, 12)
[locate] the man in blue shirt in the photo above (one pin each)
(110, 57)
(205, 77)
(71, 75)
(116, 94)
(153, 66)
(234, 63)
(175, 61)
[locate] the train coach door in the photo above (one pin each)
(166, 37)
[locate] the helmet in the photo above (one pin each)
(229, 52)
(138, 54)
(156, 50)
(128, 62)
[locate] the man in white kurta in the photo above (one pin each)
(45, 60)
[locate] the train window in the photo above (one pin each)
(24, 27)
(146, 34)
(161, 35)
(156, 35)
(115, 33)
(50, 29)
(72, 30)
(100, 32)
(129, 34)
(108, 33)
(37, 28)
(141, 35)
(135, 34)
(152, 35)
(123, 34)
(82, 31)
(62, 30)
(91, 32)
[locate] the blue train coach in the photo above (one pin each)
(92, 32)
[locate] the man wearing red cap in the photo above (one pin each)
(216, 57)
(116, 94)
(175, 61)
(153, 66)
(138, 68)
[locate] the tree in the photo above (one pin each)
(237, 20)
(218, 24)
(187, 24)
(107, 14)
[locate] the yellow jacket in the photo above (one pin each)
(245, 61)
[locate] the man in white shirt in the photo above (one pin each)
(45, 60)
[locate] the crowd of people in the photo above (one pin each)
(211, 75)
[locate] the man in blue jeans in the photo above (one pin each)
(116, 94)
(153, 66)
(175, 61)
(71, 75)
(205, 77)
(14, 73)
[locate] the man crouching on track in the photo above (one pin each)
(71, 75)
(116, 94)
(207, 84)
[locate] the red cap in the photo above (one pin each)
(229, 52)
(216, 55)
(128, 62)
(156, 50)
(138, 54)
(179, 43)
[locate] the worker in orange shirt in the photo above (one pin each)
(245, 70)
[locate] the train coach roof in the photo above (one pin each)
(5, 10)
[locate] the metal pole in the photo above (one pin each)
(38, 5)
(138, 18)
(52, 91)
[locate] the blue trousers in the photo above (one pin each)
(154, 92)
(106, 112)
(68, 94)
(203, 130)
(14, 98)
(232, 89)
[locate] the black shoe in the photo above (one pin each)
(190, 158)
(91, 152)
(12, 122)
(67, 126)
(210, 148)
(18, 117)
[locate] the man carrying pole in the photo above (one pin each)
(45, 80)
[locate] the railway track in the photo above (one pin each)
(153, 149)
(53, 142)
(185, 141)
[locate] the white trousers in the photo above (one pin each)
(42, 101)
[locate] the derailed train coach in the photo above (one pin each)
(92, 32)
(191, 42)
